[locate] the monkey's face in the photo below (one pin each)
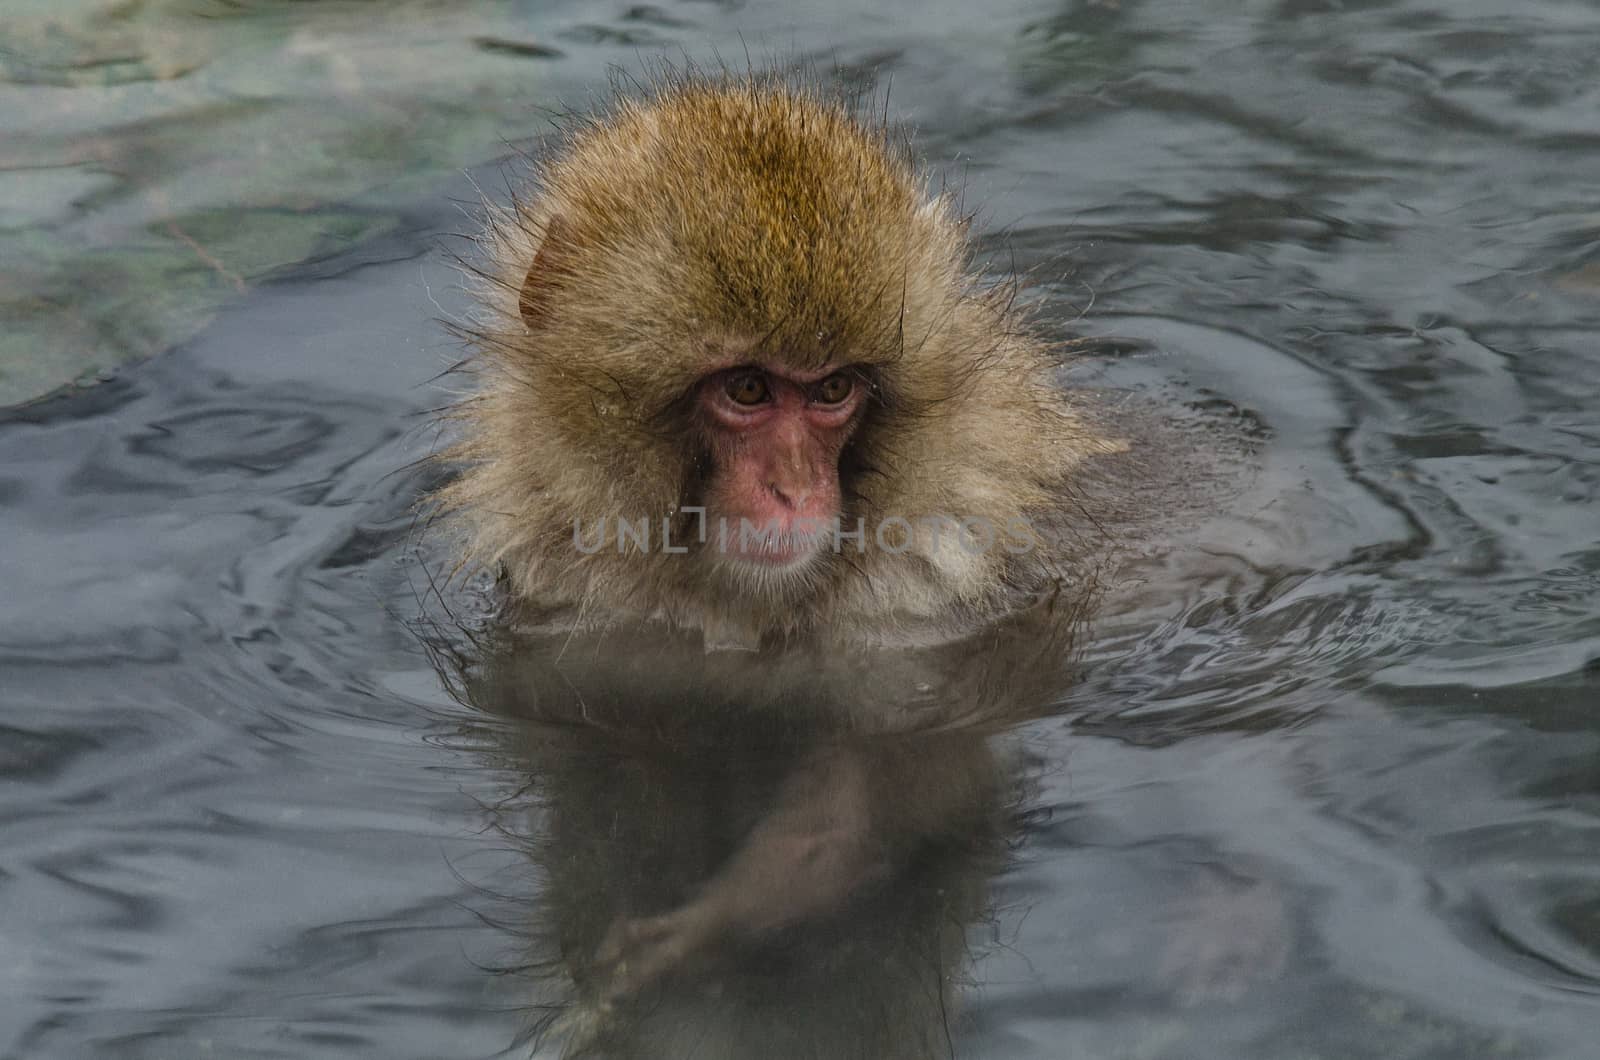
(774, 437)
(737, 303)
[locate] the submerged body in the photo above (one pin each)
(727, 866)
(739, 376)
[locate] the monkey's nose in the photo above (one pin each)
(793, 497)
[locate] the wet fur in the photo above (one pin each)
(708, 221)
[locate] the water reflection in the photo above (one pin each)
(1366, 715)
(733, 854)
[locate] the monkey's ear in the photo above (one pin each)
(542, 286)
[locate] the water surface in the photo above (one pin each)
(1327, 787)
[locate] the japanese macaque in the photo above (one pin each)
(742, 387)
(739, 376)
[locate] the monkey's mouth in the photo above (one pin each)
(771, 546)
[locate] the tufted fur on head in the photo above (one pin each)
(708, 222)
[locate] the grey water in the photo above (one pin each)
(1327, 782)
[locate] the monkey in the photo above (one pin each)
(739, 375)
(742, 386)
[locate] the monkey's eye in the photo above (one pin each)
(748, 389)
(834, 389)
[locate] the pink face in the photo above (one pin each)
(775, 441)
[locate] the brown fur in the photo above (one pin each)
(713, 222)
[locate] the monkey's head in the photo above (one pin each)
(739, 376)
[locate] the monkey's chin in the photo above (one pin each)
(773, 549)
(776, 558)
(780, 566)
(777, 554)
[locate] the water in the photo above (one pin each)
(1327, 787)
